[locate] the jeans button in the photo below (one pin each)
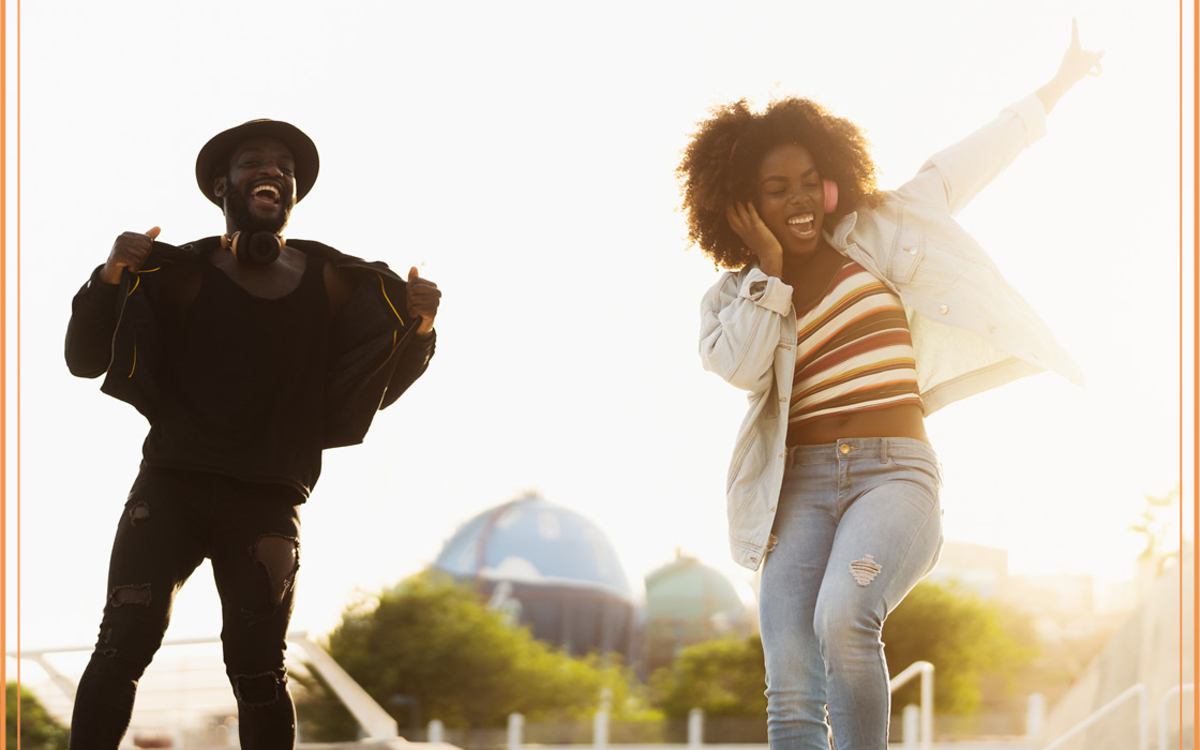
(844, 449)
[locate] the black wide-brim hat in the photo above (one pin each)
(213, 160)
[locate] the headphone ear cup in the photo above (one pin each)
(262, 248)
(232, 243)
(257, 249)
(831, 196)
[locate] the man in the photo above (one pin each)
(248, 354)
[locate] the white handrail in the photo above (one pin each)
(374, 720)
(1143, 736)
(925, 669)
(1162, 711)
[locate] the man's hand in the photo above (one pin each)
(423, 298)
(743, 220)
(1076, 64)
(129, 251)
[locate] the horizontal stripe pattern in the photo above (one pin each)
(854, 351)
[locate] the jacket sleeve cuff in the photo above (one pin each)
(1032, 114)
(766, 291)
(420, 349)
(95, 294)
(425, 345)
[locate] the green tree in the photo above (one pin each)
(39, 730)
(963, 636)
(435, 646)
(723, 677)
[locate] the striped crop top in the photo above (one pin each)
(853, 352)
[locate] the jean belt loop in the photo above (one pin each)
(883, 450)
(789, 457)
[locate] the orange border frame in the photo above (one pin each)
(1195, 374)
(4, 377)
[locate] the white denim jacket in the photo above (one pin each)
(971, 331)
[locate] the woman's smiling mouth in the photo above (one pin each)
(802, 226)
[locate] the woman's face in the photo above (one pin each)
(791, 199)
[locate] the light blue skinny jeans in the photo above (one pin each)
(859, 523)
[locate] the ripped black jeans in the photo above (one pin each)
(171, 522)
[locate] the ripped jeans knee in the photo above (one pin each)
(265, 688)
(278, 557)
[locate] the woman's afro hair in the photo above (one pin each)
(721, 164)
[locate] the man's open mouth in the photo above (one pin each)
(265, 194)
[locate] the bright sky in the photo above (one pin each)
(523, 155)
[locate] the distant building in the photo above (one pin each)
(979, 568)
(688, 602)
(1063, 605)
(550, 568)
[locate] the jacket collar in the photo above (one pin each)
(842, 231)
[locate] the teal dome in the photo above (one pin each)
(687, 589)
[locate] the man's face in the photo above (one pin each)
(260, 189)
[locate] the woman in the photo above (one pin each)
(849, 314)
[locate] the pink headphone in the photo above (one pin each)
(831, 195)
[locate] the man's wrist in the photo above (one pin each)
(98, 281)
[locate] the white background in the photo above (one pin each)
(523, 155)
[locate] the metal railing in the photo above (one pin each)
(374, 720)
(925, 670)
(1162, 711)
(1138, 690)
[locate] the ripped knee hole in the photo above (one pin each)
(130, 594)
(280, 558)
(258, 689)
(139, 512)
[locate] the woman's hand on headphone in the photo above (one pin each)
(130, 250)
(744, 221)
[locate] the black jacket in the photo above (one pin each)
(373, 356)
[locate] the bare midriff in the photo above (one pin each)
(905, 420)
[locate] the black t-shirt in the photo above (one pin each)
(243, 382)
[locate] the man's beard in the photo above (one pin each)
(237, 206)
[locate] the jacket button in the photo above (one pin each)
(943, 309)
(910, 250)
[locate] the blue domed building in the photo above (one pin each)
(549, 568)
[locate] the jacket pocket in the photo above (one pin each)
(906, 256)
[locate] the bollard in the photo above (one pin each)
(911, 727)
(516, 722)
(437, 731)
(1035, 716)
(695, 728)
(600, 730)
